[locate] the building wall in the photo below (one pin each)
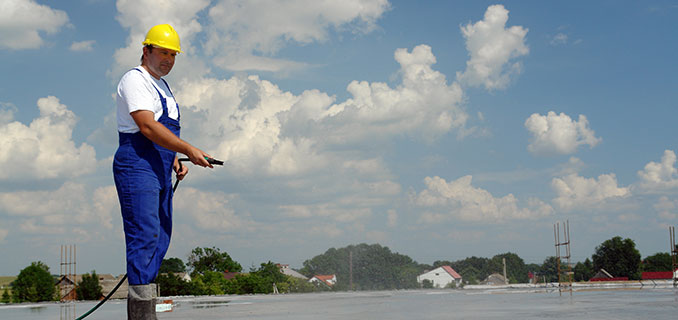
(438, 276)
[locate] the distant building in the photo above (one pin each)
(107, 282)
(441, 277)
(328, 280)
(230, 275)
(494, 279)
(286, 270)
(603, 275)
(659, 275)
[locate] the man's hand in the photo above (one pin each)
(179, 169)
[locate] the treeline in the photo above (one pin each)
(357, 267)
(370, 267)
(208, 268)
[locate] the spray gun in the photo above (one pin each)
(211, 161)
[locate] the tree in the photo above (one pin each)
(584, 271)
(271, 272)
(374, 268)
(516, 271)
(172, 285)
(549, 269)
(89, 288)
(619, 257)
(34, 284)
(211, 259)
(658, 262)
(5, 297)
(172, 265)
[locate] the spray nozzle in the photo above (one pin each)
(210, 160)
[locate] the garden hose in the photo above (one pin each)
(104, 300)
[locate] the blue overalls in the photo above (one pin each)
(142, 171)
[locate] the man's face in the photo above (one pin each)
(159, 61)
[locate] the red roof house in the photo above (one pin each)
(441, 277)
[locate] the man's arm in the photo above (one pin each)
(158, 133)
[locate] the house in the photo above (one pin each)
(441, 277)
(603, 275)
(230, 275)
(495, 279)
(286, 270)
(181, 275)
(107, 282)
(328, 280)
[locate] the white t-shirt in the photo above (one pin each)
(136, 91)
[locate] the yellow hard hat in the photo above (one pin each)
(164, 36)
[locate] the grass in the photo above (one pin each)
(4, 283)
(6, 280)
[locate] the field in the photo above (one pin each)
(4, 283)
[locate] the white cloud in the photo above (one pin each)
(140, 15)
(558, 133)
(23, 21)
(575, 191)
(326, 211)
(491, 47)
(3, 234)
(423, 105)
(70, 204)
(87, 45)
(392, 217)
(559, 39)
(45, 148)
(211, 210)
(458, 199)
(253, 124)
(243, 35)
(667, 209)
(658, 176)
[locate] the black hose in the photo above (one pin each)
(104, 300)
(209, 160)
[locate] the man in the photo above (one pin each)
(148, 129)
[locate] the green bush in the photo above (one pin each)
(89, 287)
(34, 284)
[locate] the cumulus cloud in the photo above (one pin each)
(22, 23)
(458, 199)
(211, 210)
(492, 46)
(140, 15)
(667, 209)
(392, 217)
(559, 39)
(244, 34)
(658, 176)
(574, 191)
(87, 45)
(254, 124)
(72, 203)
(558, 133)
(43, 149)
(328, 211)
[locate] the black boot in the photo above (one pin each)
(141, 302)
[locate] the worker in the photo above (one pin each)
(148, 129)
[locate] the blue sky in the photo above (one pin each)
(441, 129)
